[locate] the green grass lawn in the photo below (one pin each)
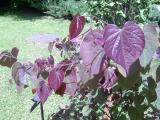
(14, 31)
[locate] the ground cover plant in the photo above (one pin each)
(109, 73)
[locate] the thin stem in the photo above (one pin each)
(42, 112)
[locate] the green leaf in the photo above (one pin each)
(135, 114)
(129, 81)
(138, 99)
(151, 84)
(101, 96)
(86, 110)
(151, 96)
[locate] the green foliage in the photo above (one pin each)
(154, 13)
(119, 11)
(66, 8)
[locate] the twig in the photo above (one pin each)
(42, 112)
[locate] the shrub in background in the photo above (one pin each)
(66, 8)
(119, 11)
(56, 8)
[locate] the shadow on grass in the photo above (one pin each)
(22, 13)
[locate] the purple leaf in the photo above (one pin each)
(63, 65)
(97, 63)
(124, 45)
(71, 83)
(99, 42)
(55, 79)
(43, 91)
(76, 26)
(89, 49)
(110, 77)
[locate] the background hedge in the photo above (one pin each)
(113, 11)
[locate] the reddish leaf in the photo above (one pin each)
(61, 90)
(124, 45)
(76, 26)
(55, 79)
(9, 58)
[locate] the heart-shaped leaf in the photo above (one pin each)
(9, 58)
(151, 43)
(76, 26)
(124, 45)
(55, 79)
(43, 91)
